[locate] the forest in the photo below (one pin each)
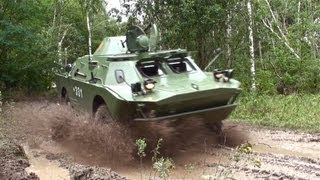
(273, 46)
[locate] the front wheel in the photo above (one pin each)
(102, 115)
(64, 99)
(216, 127)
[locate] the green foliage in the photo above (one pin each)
(163, 166)
(141, 144)
(266, 81)
(187, 24)
(156, 151)
(201, 26)
(299, 112)
(23, 60)
(29, 35)
(244, 153)
(189, 167)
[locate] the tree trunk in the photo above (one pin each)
(299, 8)
(202, 58)
(54, 15)
(260, 53)
(282, 36)
(314, 46)
(65, 56)
(252, 60)
(298, 22)
(60, 47)
(89, 31)
(229, 31)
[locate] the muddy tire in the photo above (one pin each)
(215, 127)
(102, 115)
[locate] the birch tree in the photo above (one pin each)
(228, 35)
(251, 46)
(59, 27)
(91, 7)
(279, 33)
(89, 25)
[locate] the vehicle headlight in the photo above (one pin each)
(225, 75)
(149, 84)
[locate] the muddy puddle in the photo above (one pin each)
(45, 169)
(84, 150)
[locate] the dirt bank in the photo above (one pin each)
(13, 161)
(68, 140)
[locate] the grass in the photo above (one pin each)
(297, 112)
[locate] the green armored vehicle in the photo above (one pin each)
(128, 80)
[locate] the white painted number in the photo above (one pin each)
(78, 91)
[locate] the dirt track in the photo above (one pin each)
(61, 144)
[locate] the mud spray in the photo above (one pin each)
(58, 133)
(60, 129)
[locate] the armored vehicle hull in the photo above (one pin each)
(146, 85)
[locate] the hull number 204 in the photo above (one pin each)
(78, 91)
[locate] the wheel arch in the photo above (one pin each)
(63, 92)
(97, 101)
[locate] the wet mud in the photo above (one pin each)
(75, 147)
(13, 161)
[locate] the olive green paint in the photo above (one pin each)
(175, 94)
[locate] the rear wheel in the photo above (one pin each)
(102, 115)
